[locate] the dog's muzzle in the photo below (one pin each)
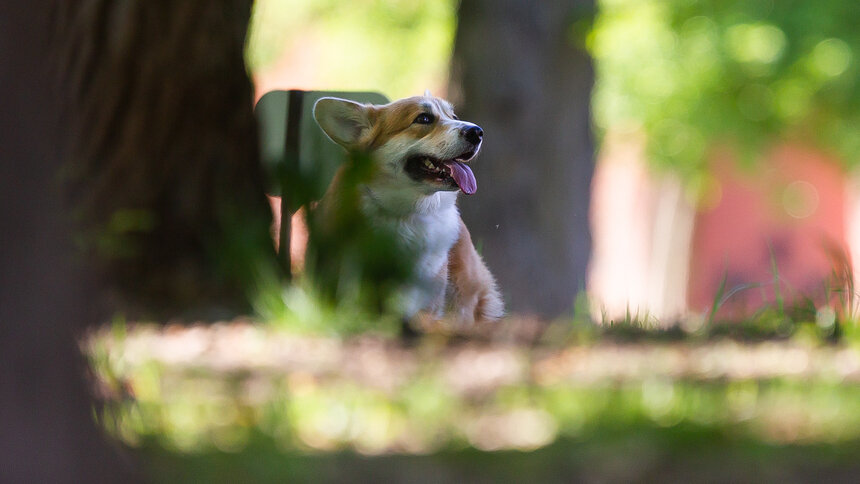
(472, 133)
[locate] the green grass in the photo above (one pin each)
(769, 397)
(639, 453)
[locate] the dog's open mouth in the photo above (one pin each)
(453, 172)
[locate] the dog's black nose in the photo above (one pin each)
(473, 133)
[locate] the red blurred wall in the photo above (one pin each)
(791, 208)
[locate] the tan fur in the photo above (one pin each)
(475, 296)
(454, 283)
(398, 116)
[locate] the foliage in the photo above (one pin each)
(351, 41)
(351, 262)
(353, 271)
(691, 73)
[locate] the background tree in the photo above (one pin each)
(164, 168)
(521, 71)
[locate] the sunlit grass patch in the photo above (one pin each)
(193, 390)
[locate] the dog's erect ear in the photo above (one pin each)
(345, 122)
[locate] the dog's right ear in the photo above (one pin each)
(347, 123)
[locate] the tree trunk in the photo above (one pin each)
(521, 72)
(165, 172)
(166, 184)
(48, 430)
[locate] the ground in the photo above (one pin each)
(241, 401)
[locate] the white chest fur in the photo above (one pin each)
(433, 230)
(430, 226)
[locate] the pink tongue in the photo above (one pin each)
(464, 177)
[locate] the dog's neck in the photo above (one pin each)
(398, 203)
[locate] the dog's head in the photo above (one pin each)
(416, 142)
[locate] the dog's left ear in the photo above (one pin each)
(347, 123)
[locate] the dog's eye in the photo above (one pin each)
(424, 118)
(454, 116)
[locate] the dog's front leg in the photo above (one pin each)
(424, 303)
(474, 295)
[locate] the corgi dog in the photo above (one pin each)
(420, 152)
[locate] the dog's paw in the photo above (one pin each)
(489, 306)
(480, 307)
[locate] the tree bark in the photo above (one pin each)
(167, 188)
(521, 72)
(164, 170)
(48, 430)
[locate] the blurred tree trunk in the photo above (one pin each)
(520, 71)
(164, 169)
(48, 430)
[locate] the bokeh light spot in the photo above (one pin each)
(756, 43)
(831, 57)
(800, 199)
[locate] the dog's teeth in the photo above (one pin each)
(428, 163)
